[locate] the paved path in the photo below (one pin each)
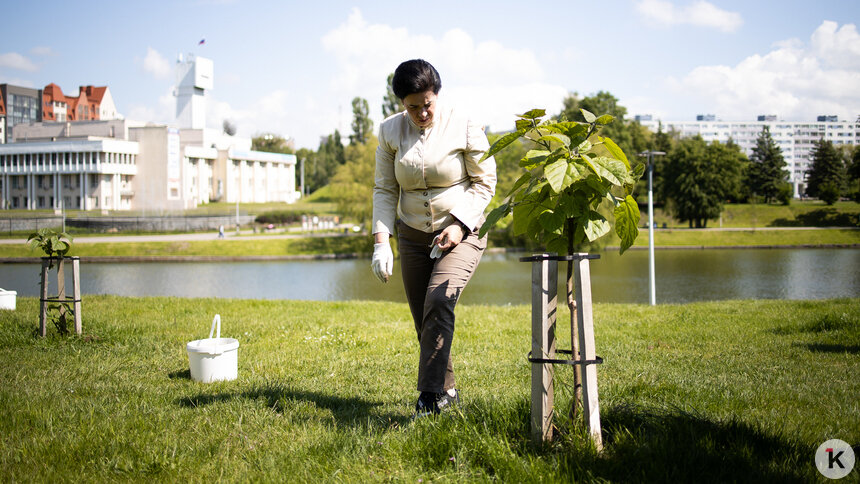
(248, 235)
(245, 235)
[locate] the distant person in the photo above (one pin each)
(429, 179)
(220, 231)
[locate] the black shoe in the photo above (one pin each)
(430, 403)
(427, 404)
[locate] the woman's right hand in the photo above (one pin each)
(382, 262)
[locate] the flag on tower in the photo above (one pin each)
(202, 41)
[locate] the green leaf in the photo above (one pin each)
(588, 161)
(612, 170)
(557, 244)
(502, 142)
(552, 221)
(523, 124)
(493, 218)
(597, 184)
(594, 225)
(638, 171)
(533, 114)
(589, 117)
(627, 222)
(605, 119)
(534, 157)
(617, 152)
(584, 146)
(555, 173)
(557, 137)
(528, 210)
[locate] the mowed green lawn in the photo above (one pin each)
(721, 392)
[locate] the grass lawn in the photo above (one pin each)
(729, 391)
(811, 213)
(718, 238)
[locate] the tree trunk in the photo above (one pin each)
(574, 328)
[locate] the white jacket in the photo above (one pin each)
(433, 173)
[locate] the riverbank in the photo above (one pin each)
(248, 246)
(325, 392)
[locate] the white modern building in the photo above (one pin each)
(795, 139)
(123, 165)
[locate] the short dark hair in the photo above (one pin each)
(416, 75)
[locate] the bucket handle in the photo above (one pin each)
(216, 326)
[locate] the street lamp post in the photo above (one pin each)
(651, 282)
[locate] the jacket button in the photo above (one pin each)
(427, 224)
(426, 204)
(428, 214)
(425, 194)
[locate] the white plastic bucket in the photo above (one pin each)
(214, 359)
(7, 299)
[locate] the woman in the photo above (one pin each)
(429, 179)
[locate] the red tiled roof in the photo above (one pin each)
(88, 96)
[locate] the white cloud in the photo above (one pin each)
(43, 51)
(14, 60)
(795, 80)
(493, 81)
(17, 81)
(164, 112)
(699, 13)
(155, 64)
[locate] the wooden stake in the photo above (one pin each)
(544, 302)
(61, 286)
(76, 290)
(43, 307)
(590, 405)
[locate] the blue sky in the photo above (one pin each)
(292, 68)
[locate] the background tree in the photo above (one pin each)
(854, 175)
(272, 143)
(766, 174)
(826, 177)
(352, 183)
(660, 141)
(390, 103)
(630, 136)
(699, 177)
(362, 125)
(228, 127)
(321, 166)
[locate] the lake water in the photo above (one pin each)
(682, 276)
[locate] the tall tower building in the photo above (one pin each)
(194, 77)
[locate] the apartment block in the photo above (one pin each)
(795, 138)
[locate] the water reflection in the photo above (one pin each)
(682, 276)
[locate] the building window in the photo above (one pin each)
(15, 202)
(78, 202)
(41, 202)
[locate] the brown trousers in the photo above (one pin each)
(433, 287)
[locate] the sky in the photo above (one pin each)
(292, 68)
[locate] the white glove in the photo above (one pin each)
(382, 262)
(436, 251)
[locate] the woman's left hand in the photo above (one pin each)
(450, 237)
